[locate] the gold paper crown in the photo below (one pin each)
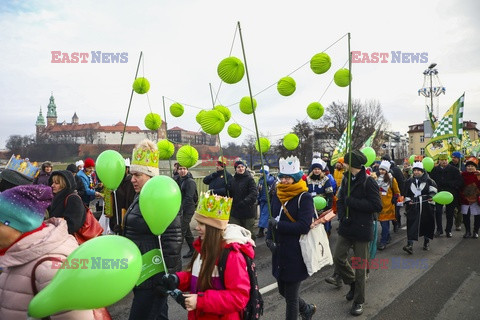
(214, 210)
(142, 157)
(22, 166)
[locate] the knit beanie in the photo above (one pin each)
(385, 165)
(358, 159)
(79, 163)
(72, 168)
(471, 161)
(23, 207)
(89, 163)
(238, 162)
(15, 178)
(457, 154)
(265, 169)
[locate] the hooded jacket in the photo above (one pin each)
(226, 300)
(67, 203)
(16, 290)
(244, 192)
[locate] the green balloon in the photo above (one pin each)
(101, 272)
(319, 202)
(369, 152)
(443, 197)
(290, 141)
(411, 160)
(160, 200)
(110, 167)
(428, 163)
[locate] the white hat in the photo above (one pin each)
(418, 165)
(385, 165)
(79, 163)
(266, 168)
(127, 162)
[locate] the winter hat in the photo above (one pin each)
(145, 158)
(385, 165)
(72, 168)
(358, 159)
(239, 162)
(457, 154)
(290, 167)
(213, 210)
(317, 163)
(443, 156)
(265, 168)
(89, 163)
(471, 161)
(79, 163)
(23, 207)
(46, 164)
(13, 178)
(418, 165)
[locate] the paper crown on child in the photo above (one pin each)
(23, 166)
(145, 159)
(289, 166)
(213, 210)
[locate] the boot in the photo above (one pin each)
(351, 293)
(261, 233)
(334, 279)
(309, 311)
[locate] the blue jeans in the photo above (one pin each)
(264, 215)
(148, 305)
(385, 231)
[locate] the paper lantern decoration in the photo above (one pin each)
(225, 111)
(212, 122)
(246, 105)
(286, 86)
(199, 116)
(176, 109)
(342, 77)
(166, 149)
(141, 85)
(290, 141)
(231, 70)
(153, 121)
(264, 145)
(320, 63)
(315, 110)
(234, 130)
(187, 156)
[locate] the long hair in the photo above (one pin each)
(212, 246)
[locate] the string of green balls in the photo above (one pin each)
(187, 156)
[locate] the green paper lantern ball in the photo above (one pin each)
(342, 77)
(231, 70)
(166, 149)
(264, 145)
(225, 111)
(246, 105)
(187, 156)
(286, 86)
(212, 122)
(320, 63)
(152, 121)
(290, 141)
(199, 116)
(176, 109)
(315, 110)
(141, 85)
(234, 130)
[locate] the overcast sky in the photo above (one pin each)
(183, 42)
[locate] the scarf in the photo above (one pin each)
(382, 184)
(286, 192)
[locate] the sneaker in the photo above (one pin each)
(189, 254)
(357, 309)
(334, 279)
(458, 228)
(309, 312)
(467, 234)
(351, 293)
(449, 234)
(426, 246)
(381, 246)
(408, 249)
(438, 234)
(475, 235)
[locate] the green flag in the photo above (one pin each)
(369, 141)
(342, 145)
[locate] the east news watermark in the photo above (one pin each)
(89, 57)
(96, 263)
(393, 263)
(389, 57)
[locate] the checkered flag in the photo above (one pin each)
(342, 144)
(451, 125)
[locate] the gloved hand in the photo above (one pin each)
(178, 296)
(271, 245)
(272, 223)
(168, 282)
(117, 229)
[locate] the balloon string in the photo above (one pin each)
(161, 251)
(116, 208)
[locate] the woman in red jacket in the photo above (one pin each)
(469, 197)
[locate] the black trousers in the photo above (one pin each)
(295, 304)
(438, 216)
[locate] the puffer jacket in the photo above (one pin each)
(16, 291)
(244, 192)
(137, 230)
(226, 300)
(216, 182)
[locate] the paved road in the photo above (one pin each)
(443, 283)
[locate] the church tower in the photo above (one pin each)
(51, 112)
(75, 118)
(40, 124)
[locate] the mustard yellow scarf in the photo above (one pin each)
(286, 192)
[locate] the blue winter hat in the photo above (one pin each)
(296, 176)
(457, 154)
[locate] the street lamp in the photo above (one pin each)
(428, 90)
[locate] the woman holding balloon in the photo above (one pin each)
(147, 302)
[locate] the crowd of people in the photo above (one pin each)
(39, 215)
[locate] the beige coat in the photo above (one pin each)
(15, 288)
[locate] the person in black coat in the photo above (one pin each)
(78, 182)
(147, 302)
(188, 187)
(243, 190)
(356, 206)
(66, 202)
(216, 180)
(292, 213)
(447, 178)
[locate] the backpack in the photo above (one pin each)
(254, 307)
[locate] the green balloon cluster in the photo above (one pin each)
(315, 110)
(342, 77)
(443, 197)
(369, 152)
(290, 141)
(246, 105)
(110, 167)
(225, 111)
(320, 63)
(234, 130)
(176, 109)
(286, 86)
(212, 122)
(319, 202)
(166, 149)
(141, 85)
(153, 121)
(231, 70)
(264, 145)
(187, 156)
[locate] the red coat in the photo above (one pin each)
(470, 179)
(221, 303)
